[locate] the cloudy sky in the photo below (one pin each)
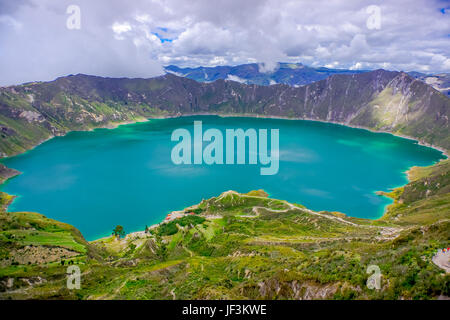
(44, 39)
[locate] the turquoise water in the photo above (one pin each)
(96, 180)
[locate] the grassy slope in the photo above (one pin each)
(250, 246)
(49, 241)
(425, 200)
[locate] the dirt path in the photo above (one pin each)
(387, 233)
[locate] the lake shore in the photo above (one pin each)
(114, 125)
(142, 234)
(236, 115)
(249, 115)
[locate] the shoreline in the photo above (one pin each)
(419, 142)
(139, 234)
(109, 126)
(114, 125)
(252, 115)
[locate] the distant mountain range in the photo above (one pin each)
(379, 100)
(439, 81)
(293, 74)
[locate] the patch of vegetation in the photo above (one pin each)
(170, 228)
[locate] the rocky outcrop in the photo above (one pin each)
(37, 255)
(6, 173)
(270, 289)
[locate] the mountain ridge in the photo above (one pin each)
(293, 74)
(379, 100)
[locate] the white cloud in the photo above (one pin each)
(332, 65)
(216, 61)
(10, 22)
(356, 66)
(268, 66)
(136, 38)
(235, 78)
(121, 27)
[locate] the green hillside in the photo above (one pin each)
(243, 246)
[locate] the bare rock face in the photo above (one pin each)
(273, 288)
(6, 173)
(32, 116)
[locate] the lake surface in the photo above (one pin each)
(99, 179)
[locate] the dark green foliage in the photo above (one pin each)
(170, 228)
(118, 231)
(161, 249)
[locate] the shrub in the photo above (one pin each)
(170, 228)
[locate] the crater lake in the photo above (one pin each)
(124, 176)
